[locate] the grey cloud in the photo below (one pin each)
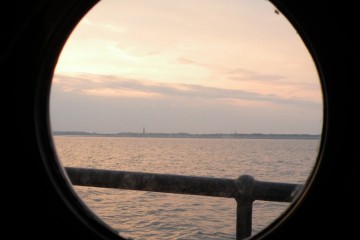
(246, 75)
(237, 74)
(174, 90)
(184, 108)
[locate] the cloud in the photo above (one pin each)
(182, 60)
(136, 50)
(119, 87)
(212, 67)
(236, 74)
(255, 81)
(104, 26)
(241, 74)
(116, 92)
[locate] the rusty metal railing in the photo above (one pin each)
(245, 189)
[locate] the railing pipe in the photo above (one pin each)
(245, 189)
(166, 183)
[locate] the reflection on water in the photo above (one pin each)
(149, 215)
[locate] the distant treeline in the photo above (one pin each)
(190, 135)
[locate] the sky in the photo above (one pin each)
(204, 66)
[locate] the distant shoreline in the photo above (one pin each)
(190, 135)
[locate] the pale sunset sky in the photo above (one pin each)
(201, 66)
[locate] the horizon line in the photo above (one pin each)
(235, 132)
(185, 133)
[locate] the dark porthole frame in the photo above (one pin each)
(30, 50)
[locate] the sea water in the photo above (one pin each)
(150, 215)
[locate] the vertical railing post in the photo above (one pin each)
(244, 185)
(243, 217)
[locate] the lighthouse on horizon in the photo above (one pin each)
(143, 130)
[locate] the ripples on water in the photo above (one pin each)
(150, 215)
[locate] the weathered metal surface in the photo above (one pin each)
(266, 191)
(205, 186)
(244, 208)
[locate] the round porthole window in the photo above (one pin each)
(186, 121)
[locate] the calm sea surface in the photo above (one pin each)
(149, 215)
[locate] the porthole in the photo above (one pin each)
(216, 89)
